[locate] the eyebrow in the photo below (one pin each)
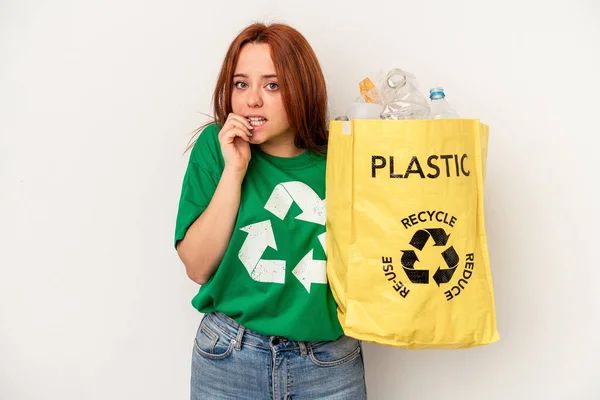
(268, 76)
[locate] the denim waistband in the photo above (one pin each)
(240, 334)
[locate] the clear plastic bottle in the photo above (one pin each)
(439, 107)
(402, 98)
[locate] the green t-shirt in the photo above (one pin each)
(272, 278)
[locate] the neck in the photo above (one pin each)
(283, 147)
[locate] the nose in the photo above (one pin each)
(254, 98)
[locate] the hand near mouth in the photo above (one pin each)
(234, 138)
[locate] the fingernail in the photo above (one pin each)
(249, 133)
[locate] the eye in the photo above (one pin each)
(240, 85)
(272, 86)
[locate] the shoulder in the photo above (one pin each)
(317, 160)
(207, 149)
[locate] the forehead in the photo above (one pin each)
(255, 58)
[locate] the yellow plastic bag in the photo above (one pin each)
(407, 254)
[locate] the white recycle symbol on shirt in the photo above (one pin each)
(260, 236)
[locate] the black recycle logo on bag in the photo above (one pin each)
(418, 241)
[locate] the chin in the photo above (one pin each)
(257, 139)
(261, 137)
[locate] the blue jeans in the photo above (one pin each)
(231, 362)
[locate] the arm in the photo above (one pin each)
(206, 240)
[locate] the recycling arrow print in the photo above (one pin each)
(260, 236)
(444, 275)
(420, 237)
(285, 194)
(408, 263)
(439, 236)
(323, 241)
(418, 241)
(309, 270)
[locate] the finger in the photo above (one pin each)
(226, 134)
(243, 120)
(238, 121)
(242, 125)
(234, 123)
(230, 135)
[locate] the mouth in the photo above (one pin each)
(256, 121)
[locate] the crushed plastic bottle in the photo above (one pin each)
(401, 97)
(439, 107)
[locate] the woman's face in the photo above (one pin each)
(256, 95)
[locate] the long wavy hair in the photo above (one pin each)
(301, 83)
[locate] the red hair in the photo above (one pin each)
(301, 82)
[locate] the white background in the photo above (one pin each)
(98, 100)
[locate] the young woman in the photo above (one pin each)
(251, 230)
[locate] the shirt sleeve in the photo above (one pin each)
(200, 181)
